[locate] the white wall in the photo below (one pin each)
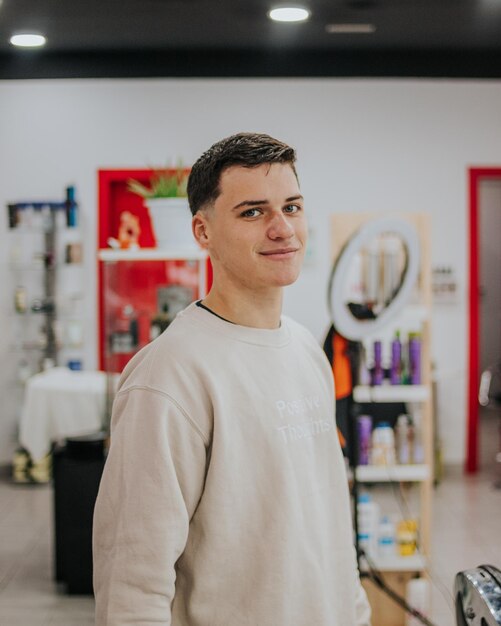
(363, 145)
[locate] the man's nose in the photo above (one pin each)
(280, 227)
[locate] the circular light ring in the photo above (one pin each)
(289, 14)
(28, 40)
(344, 322)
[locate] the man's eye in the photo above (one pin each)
(292, 208)
(250, 213)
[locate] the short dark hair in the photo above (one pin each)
(244, 149)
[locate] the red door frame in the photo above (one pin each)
(476, 174)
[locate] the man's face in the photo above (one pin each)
(256, 230)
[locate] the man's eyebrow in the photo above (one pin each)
(252, 203)
(249, 203)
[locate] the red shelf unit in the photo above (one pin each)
(138, 280)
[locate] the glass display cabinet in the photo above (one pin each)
(142, 291)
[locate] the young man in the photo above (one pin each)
(224, 499)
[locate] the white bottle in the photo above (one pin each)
(417, 594)
(386, 538)
(402, 440)
(368, 515)
(418, 452)
(383, 445)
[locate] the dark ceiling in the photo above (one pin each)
(230, 38)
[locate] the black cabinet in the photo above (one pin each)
(77, 469)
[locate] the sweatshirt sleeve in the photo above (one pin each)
(151, 485)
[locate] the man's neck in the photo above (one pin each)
(257, 310)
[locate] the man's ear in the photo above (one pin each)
(200, 230)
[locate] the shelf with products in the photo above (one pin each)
(42, 267)
(41, 346)
(141, 286)
(45, 266)
(28, 345)
(392, 473)
(38, 312)
(380, 294)
(414, 563)
(46, 287)
(140, 295)
(391, 393)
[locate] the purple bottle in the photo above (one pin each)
(415, 359)
(364, 432)
(377, 371)
(396, 361)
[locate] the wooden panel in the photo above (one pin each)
(385, 611)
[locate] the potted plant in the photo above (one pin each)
(165, 199)
(164, 183)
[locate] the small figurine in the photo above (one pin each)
(128, 232)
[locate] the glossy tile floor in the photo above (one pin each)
(467, 520)
(466, 533)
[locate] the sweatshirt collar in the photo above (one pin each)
(275, 337)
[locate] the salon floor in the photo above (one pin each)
(466, 514)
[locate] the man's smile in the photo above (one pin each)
(279, 253)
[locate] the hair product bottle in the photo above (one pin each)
(418, 595)
(415, 358)
(368, 515)
(377, 371)
(383, 445)
(386, 546)
(364, 431)
(402, 439)
(396, 360)
(417, 435)
(71, 207)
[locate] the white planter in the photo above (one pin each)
(171, 221)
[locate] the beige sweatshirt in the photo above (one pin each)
(224, 498)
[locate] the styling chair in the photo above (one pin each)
(478, 596)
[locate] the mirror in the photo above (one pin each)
(373, 277)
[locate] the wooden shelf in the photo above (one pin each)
(414, 563)
(391, 393)
(392, 473)
(152, 254)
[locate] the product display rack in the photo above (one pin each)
(44, 258)
(412, 479)
(409, 473)
(45, 262)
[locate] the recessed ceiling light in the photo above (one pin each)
(28, 40)
(289, 14)
(350, 29)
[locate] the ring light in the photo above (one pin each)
(344, 321)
